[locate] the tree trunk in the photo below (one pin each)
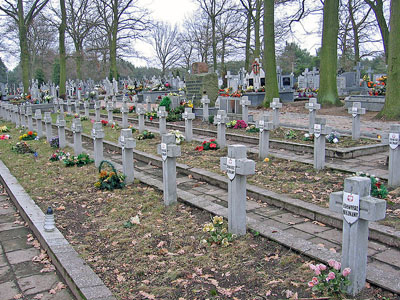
(377, 7)
(23, 44)
(79, 61)
(328, 94)
(391, 110)
(214, 43)
(271, 82)
(248, 38)
(113, 46)
(63, 67)
(355, 33)
(257, 22)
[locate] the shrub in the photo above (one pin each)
(252, 128)
(211, 119)
(166, 101)
(79, 161)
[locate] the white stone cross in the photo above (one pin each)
(237, 167)
(275, 105)
(394, 156)
(356, 111)
(358, 208)
(245, 103)
(128, 143)
(98, 136)
(162, 115)
(205, 101)
(320, 131)
(169, 151)
(312, 107)
(265, 127)
(220, 120)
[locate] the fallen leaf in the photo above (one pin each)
(160, 244)
(120, 278)
(147, 295)
(61, 207)
(319, 223)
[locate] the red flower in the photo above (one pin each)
(212, 140)
(201, 148)
(378, 184)
(151, 118)
(203, 143)
(30, 132)
(212, 145)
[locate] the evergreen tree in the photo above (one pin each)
(3, 72)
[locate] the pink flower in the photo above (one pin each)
(331, 275)
(310, 284)
(322, 267)
(346, 272)
(331, 262)
(312, 267)
(317, 272)
(92, 121)
(337, 265)
(314, 280)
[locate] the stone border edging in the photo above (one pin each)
(343, 153)
(381, 233)
(81, 279)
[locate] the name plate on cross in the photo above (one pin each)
(394, 140)
(261, 125)
(351, 207)
(231, 168)
(163, 151)
(317, 130)
(218, 119)
(354, 111)
(73, 128)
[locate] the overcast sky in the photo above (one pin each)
(174, 12)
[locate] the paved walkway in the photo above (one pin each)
(22, 264)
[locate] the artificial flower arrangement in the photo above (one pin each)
(109, 180)
(378, 188)
(333, 137)
(4, 129)
(30, 135)
(146, 135)
(236, 124)
(179, 137)
(104, 122)
(22, 148)
(5, 137)
(208, 145)
(252, 128)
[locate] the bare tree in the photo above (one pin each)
(122, 21)
(213, 9)
(81, 19)
(186, 48)
(15, 10)
(165, 44)
(198, 31)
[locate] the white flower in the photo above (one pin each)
(335, 140)
(306, 135)
(135, 220)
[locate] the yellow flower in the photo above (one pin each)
(25, 135)
(20, 137)
(208, 227)
(266, 159)
(97, 184)
(224, 230)
(218, 220)
(225, 242)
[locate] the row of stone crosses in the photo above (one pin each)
(356, 192)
